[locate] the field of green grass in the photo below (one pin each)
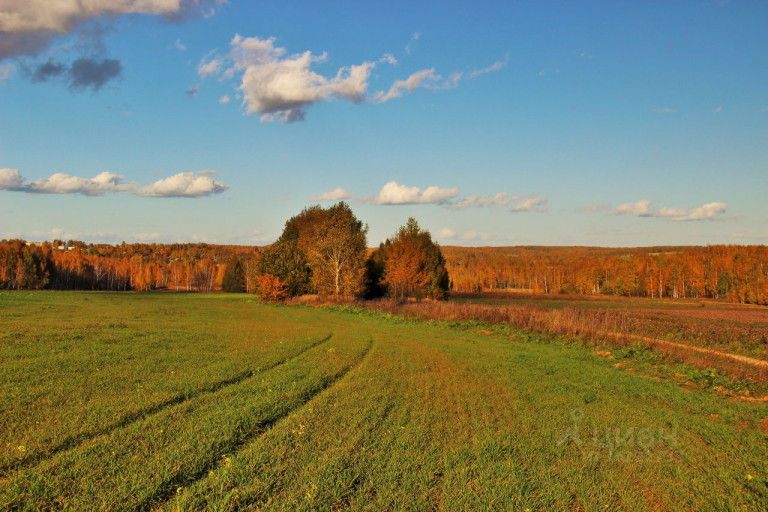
(218, 402)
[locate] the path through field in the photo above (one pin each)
(760, 363)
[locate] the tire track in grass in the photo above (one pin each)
(343, 502)
(167, 489)
(132, 417)
(338, 459)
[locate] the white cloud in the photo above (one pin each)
(393, 193)
(464, 236)
(472, 236)
(28, 26)
(490, 69)
(59, 183)
(281, 88)
(642, 208)
(388, 58)
(708, 211)
(335, 195)
(11, 179)
(224, 99)
(6, 71)
(499, 199)
(533, 204)
(424, 78)
(412, 43)
(637, 209)
(179, 45)
(61, 16)
(445, 233)
(184, 184)
(207, 68)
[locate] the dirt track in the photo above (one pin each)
(760, 363)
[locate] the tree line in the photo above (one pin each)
(736, 273)
(324, 251)
(321, 251)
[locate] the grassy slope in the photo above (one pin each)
(384, 413)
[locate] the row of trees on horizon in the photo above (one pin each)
(324, 251)
(321, 251)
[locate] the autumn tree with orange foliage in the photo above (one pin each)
(413, 265)
(271, 288)
(333, 241)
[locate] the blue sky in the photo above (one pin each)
(493, 123)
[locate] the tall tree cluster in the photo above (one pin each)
(411, 264)
(321, 250)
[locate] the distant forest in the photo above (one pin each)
(730, 272)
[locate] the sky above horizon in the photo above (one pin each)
(492, 123)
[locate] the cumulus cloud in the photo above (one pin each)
(532, 204)
(279, 86)
(445, 233)
(637, 209)
(708, 211)
(184, 184)
(208, 67)
(224, 99)
(393, 193)
(336, 194)
(59, 183)
(499, 199)
(642, 208)
(11, 179)
(27, 27)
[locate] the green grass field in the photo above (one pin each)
(219, 402)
